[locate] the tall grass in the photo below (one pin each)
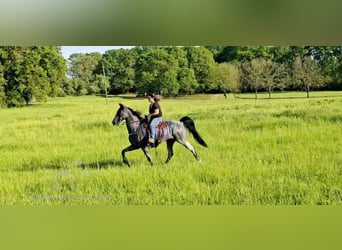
(278, 151)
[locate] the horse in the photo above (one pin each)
(137, 136)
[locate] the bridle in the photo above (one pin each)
(133, 122)
(135, 132)
(121, 119)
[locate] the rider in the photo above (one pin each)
(155, 116)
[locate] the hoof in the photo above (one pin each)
(127, 163)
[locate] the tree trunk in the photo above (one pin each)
(269, 93)
(256, 93)
(307, 92)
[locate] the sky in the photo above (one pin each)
(68, 50)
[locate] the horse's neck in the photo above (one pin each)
(132, 123)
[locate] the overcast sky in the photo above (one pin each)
(68, 50)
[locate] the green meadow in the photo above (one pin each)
(284, 150)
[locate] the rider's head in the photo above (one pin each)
(157, 98)
(150, 98)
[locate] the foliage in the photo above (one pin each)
(187, 80)
(263, 74)
(119, 67)
(2, 87)
(255, 74)
(81, 70)
(29, 73)
(307, 74)
(275, 76)
(196, 69)
(202, 62)
(229, 77)
(157, 72)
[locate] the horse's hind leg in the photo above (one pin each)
(188, 146)
(169, 143)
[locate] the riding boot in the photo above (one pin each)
(150, 140)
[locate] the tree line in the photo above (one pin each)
(172, 70)
(37, 72)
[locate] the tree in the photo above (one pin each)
(219, 52)
(55, 66)
(264, 74)
(275, 76)
(187, 80)
(229, 77)
(2, 87)
(68, 87)
(30, 73)
(156, 72)
(248, 53)
(281, 54)
(32, 78)
(120, 68)
(255, 74)
(227, 54)
(328, 58)
(307, 74)
(202, 62)
(186, 75)
(81, 69)
(338, 76)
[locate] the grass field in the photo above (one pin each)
(286, 150)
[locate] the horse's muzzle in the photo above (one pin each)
(116, 121)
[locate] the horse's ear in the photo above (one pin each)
(121, 105)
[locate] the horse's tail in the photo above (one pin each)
(190, 124)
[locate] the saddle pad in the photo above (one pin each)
(163, 131)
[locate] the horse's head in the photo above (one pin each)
(132, 117)
(120, 115)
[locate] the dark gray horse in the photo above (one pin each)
(138, 138)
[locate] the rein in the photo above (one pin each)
(136, 131)
(133, 122)
(130, 122)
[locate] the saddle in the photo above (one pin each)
(163, 131)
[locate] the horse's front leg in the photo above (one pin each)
(123, 152)
(147, 154)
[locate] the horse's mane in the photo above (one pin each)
(136, 113)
